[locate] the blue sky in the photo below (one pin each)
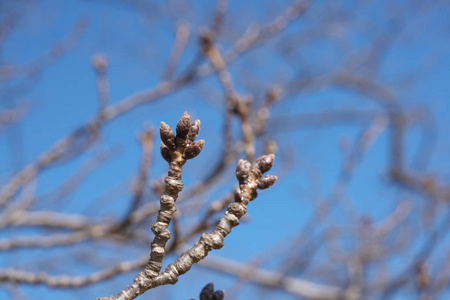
(65, 96)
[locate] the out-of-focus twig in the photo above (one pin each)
(146, 139)
(100, 65)
(181, 38)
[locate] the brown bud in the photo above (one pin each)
(194, 149)
(193, 131)
(100, 62)
(165, 152)
(266, 181)
(264, 163)
(238, 195)
(242, 170)
(205, 40)
(183, 126)
(274, 94)
(167, 136)
(218, 295)
(207, 292)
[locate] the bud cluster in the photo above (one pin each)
(246, 172)
(183, 142)
(208, 293)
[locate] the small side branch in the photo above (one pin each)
(250, 179)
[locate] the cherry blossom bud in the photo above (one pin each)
(193, 131)
(194, 149)
(165, 152)
(242, 170)
(167, 136)
(183, 126)
(218, 295)
(207, 292)
(264, 163)
(266, 181)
